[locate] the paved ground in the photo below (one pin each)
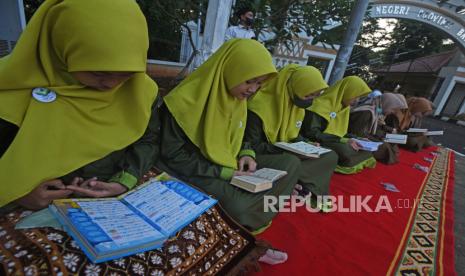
(454, 135)
(454, 138)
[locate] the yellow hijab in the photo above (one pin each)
(329, 105)
(202, 106)
(273, 103)
(82, 124)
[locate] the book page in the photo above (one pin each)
(304, 147)
(170, 205)
(251, 179)
(396, 138)
(368, 145)
(269, 174)
(417, 130)
(434, 133)
(118, 222)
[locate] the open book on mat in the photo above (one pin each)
(426, 131)
(417, 130)
(434, 133)
(303, 148)
(368, 145)
(137, 221)
(260, 180)
(396, 138)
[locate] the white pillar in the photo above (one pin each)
(186, 47)
(218, 13)
(357, 15)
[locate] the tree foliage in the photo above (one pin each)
(286, 19)
(282, 20)
(380, 46)
(166, 19)
(412, 39)
(30, 6)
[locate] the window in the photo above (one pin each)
(319, 63)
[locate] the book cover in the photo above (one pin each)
(137, 221)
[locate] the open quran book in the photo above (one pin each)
(417, 130)
(426, 131)
(396, 138)
(303, 149)
(368, 145)
(137, 221)
(434, 133)
(259, 181)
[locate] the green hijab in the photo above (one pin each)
(273, 103)
(329, 105)
(82, 124)
(202, 106)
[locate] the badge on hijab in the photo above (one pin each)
(332, 115)
(298, 124)
(44, 95)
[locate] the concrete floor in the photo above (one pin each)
(454, 135)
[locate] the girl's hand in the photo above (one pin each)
(94, 188)
(44, 194)
(249, 162)
(353, 144)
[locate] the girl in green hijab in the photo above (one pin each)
(328, 119)
(75, 102)
(203, 125)
(276, 114)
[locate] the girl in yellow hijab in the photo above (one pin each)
(328, 119)
(276, 114)
(203, 125)
(72, 92)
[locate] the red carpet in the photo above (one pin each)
(375, 243)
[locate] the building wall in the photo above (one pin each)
(455, 101)
(300, 51)
(12, 23)
(450, 87)
(163, 69)
(411, 84)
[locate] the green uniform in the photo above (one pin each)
(315, 174)
(184, 160)
(350, 161)
(64, 120)
(123, 166)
